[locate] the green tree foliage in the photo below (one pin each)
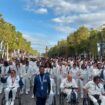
(83, 40)
(15, 39)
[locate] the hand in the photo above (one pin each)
(3, 75)
(81, 78)
(104, 82)
(103, 94)
(47, 96)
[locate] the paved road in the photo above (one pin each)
(27, 100)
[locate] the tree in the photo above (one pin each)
(14, 39)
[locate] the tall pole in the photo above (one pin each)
(102, 43)
(46, 51)
(7, 52)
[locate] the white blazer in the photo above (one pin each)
(13, 82)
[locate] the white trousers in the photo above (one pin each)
(26, 82)
(7, 90)
(82, 83)
(50, 99)
(94, 100)
(68, 93)
(2, 85)
(58, 82)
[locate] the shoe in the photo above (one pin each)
(32, 96)
(7, 103)
(27, 92)
(21, 92)
(0, 91)
(81, 96)
(12, 103)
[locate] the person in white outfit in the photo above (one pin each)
(1, 64)
(93, 89)
(75, 72)
(26, 77)
(96, 70)
(52, 92)
(83, 78)
(66, 83)
(12, 86)
(4, 74)
(59, 76)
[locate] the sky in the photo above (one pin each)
(45, 22)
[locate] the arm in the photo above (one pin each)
(34, 88)
(62, 85)
(49, 85)
(85, 89)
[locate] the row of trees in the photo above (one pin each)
(14, 39)
(81, 42)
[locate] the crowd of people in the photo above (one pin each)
(48, 77)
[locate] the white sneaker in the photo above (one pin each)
(21, 92)
(27, 92)
(33, 97)
(81, 96)
(7, 102)
(0, 91)
(12, 103)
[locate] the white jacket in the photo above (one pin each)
(13, 82)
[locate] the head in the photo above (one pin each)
(13, 73)
(83, 66)
(69, 77)
(41, 69)
(6, 63)
(48, 64)
(27, 62)
(99, 65)
(74, 65)
(96, 79)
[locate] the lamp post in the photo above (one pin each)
(46, 51)
(7, 54)
(102, 42)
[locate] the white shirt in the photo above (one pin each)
(13, 82)
(92, 88)
(96, 72)
(52, 85)
(75, 72)
(66, 83)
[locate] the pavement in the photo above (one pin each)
(27, 100)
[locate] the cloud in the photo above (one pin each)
(64, 29)
(68, 6)
(41, 11)
(89, 19)
(90, 13)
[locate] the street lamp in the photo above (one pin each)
(46, 49)
(102, 42)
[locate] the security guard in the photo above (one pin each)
(41, 87)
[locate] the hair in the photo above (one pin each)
(6, 63)
(83, 66)
(41, 66)
(48, 64)
(95, 78)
